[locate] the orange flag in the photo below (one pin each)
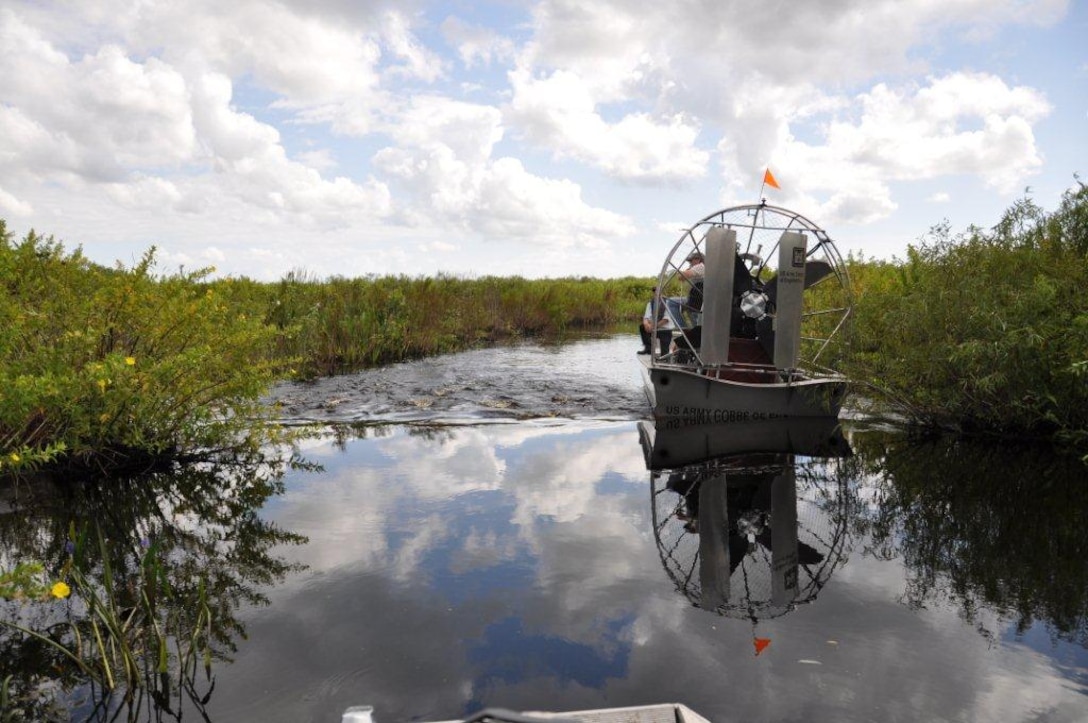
(760, 644)
(768, 178)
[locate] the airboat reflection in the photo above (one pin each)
(750, 519)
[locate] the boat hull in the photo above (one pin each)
(679, 393)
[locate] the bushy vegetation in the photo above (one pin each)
(105, 366)
(984, 331)
(112, 366)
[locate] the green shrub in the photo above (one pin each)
(987, 330)
(102, 366)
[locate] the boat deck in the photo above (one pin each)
(663, 713)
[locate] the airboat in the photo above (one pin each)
(757, 298)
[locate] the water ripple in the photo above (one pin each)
(596, 378)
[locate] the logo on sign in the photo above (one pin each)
(799, 256)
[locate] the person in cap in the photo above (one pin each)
(696, 269)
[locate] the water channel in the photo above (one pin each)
(506, 528)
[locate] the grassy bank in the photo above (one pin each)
(106, 367)
(982, 331)
(342, 324)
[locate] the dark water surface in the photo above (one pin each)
(485, 531)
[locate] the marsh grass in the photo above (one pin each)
(341, 324)
(114, 367)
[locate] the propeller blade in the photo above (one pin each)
(742, 277)
(808, 555)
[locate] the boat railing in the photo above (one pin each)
(673, 712)
(771, 372)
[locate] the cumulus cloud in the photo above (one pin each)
(747, 76)
(706, 46)
(960, 123)
(301, 56)
(559, 112)
(145, 192)
(149, 136)
(476, 44)
(353, 118)
(419, 61)
(444, 155)
(11, 205)
(956, 124)
(251, 154)
(103, 115)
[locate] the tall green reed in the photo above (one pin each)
(130, 636)
(342, 324)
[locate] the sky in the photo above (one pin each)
(539, 138)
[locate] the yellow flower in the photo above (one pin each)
(60, 590)
(15, 457)
(130, 360)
